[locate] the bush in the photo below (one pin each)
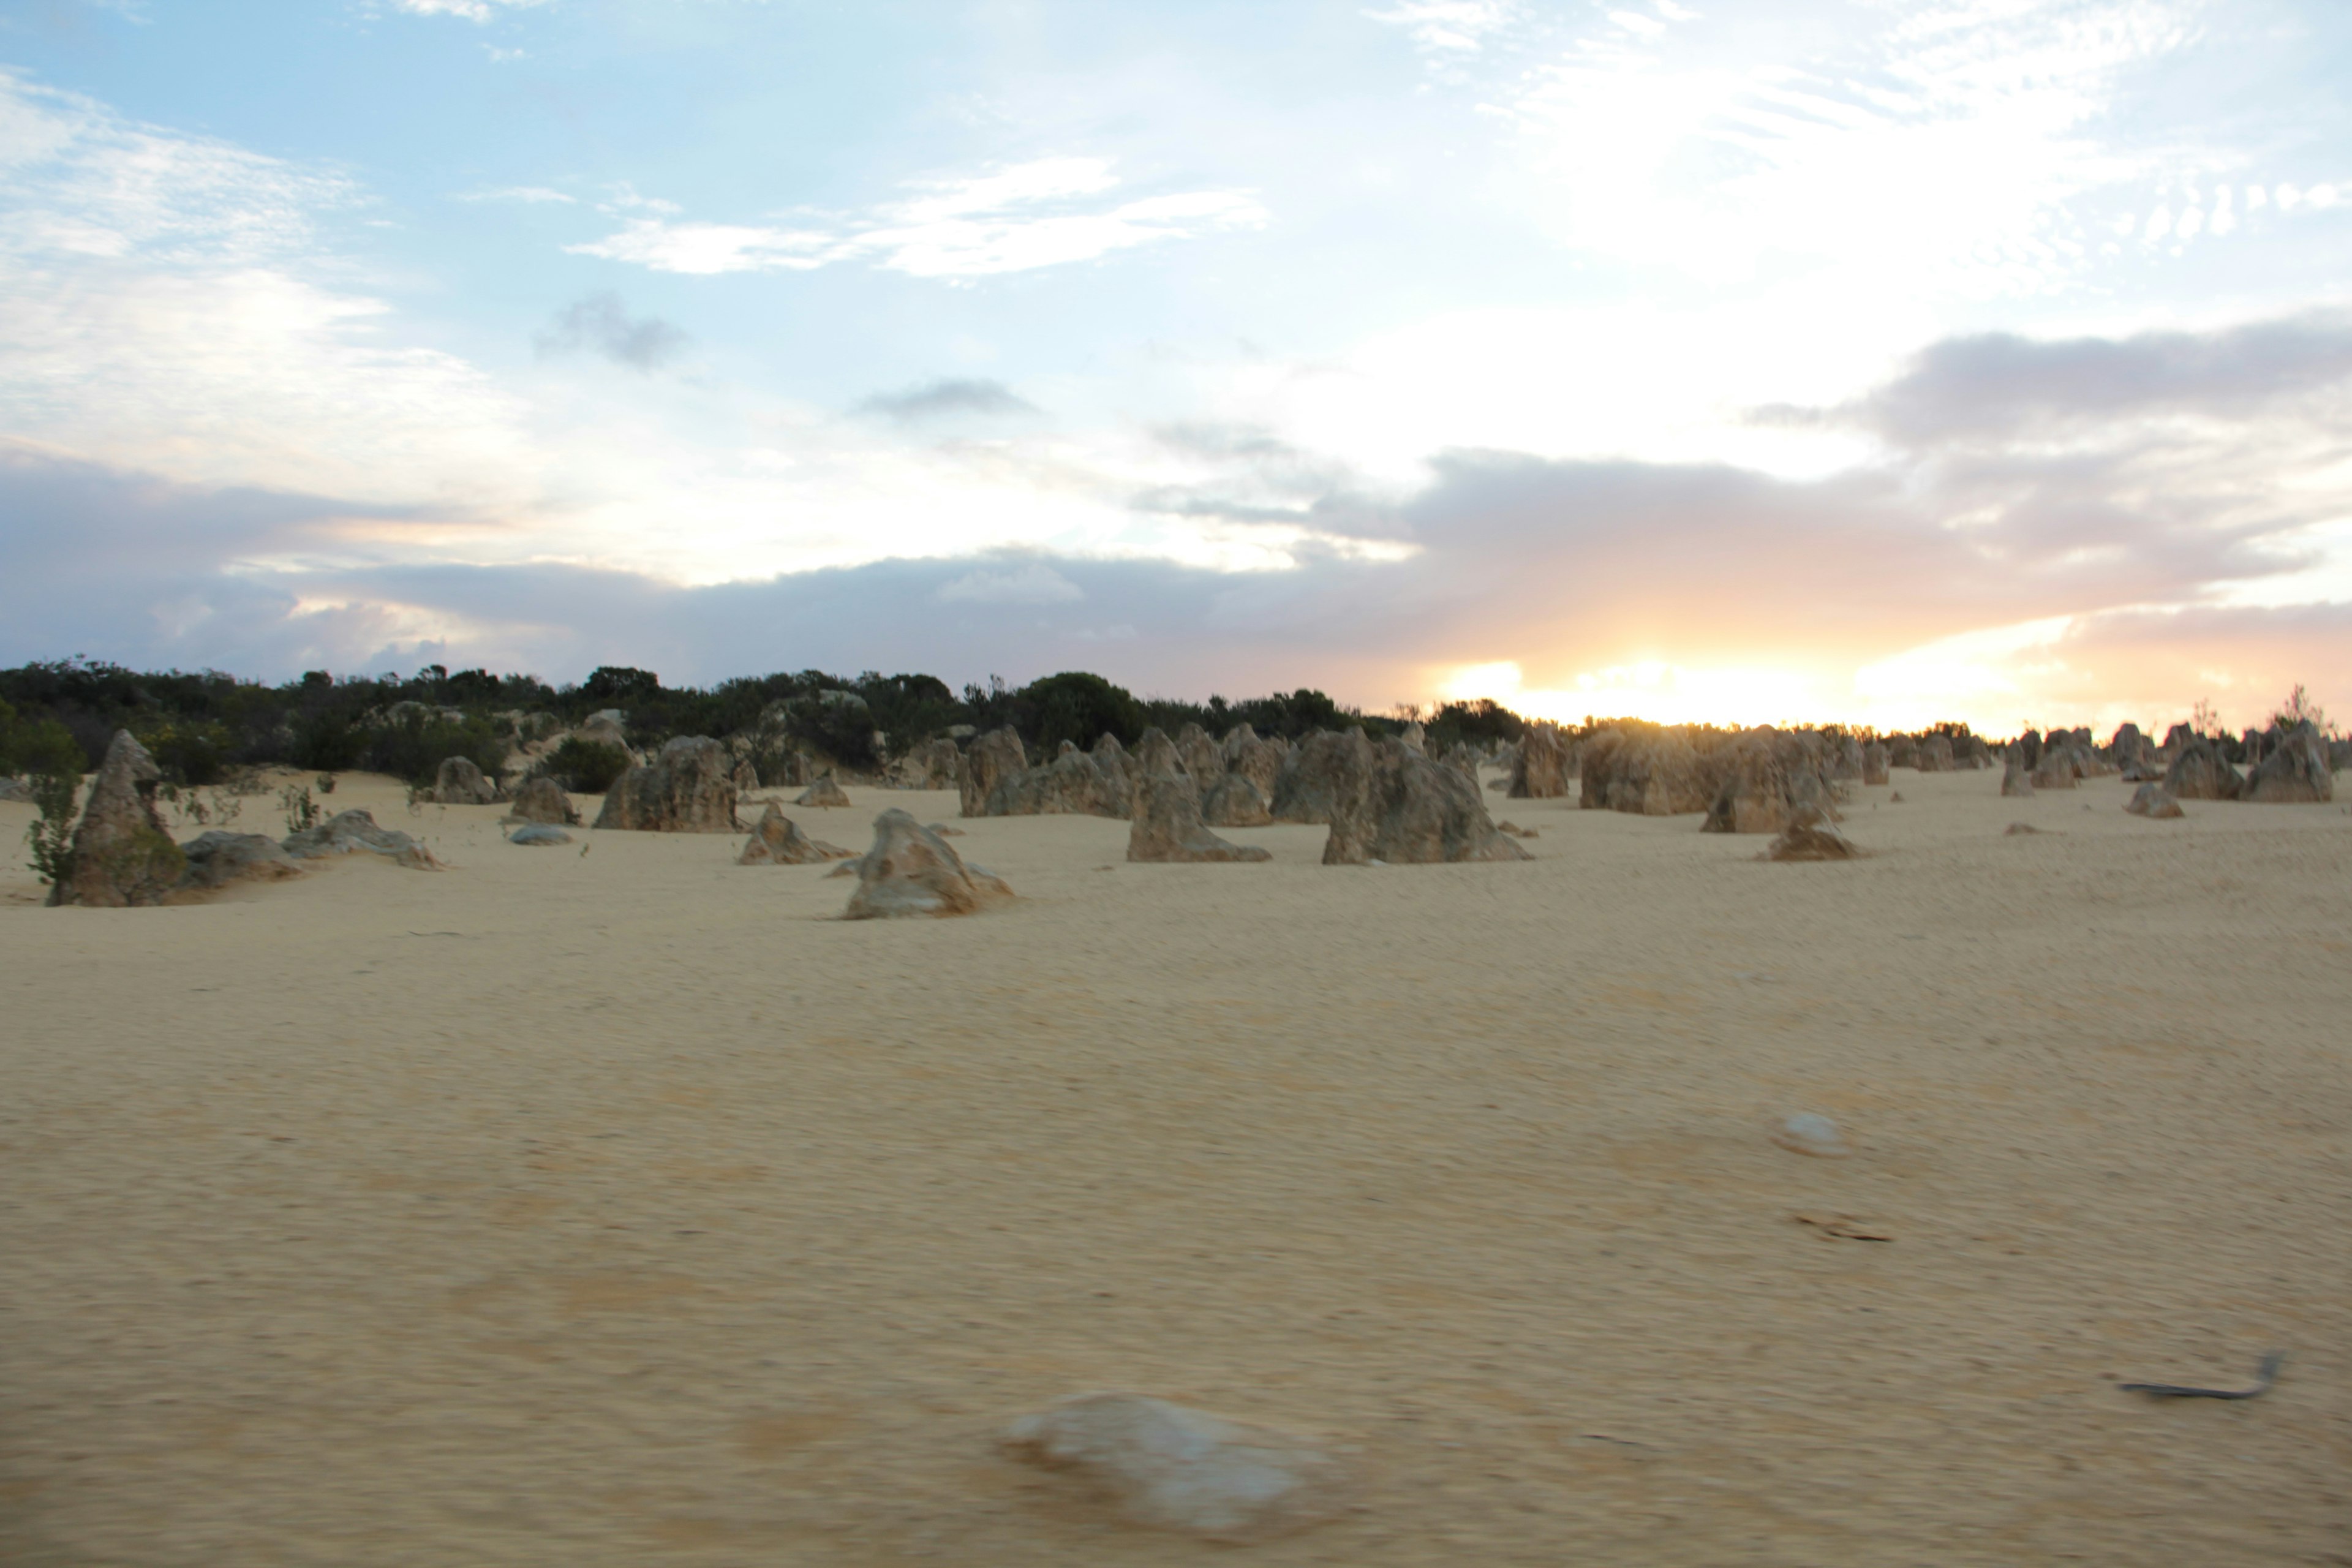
(411, 747)
(328, 740)
(585, 767)
(189, 751)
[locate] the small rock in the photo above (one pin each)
(542, 800)
(1174, 1468)
(2014, 829)
(1894, 799)
(944, 831)
(1810, 1132)
(1812, 835)
(218, 857)
(539, 833)
(825, 791)
(779, 841)
(350, 831)
(2153, 800)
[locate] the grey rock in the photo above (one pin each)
(1156, 754)
(539, 836)
(911, 871)
(351, 832)
(1202, 758)
(542, 800)
(994, 758)
(933, 764)
(459, 783)
(218, 857)
(1168, 826)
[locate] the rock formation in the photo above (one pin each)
(216, 859)
(1235, 801)
(827, 793)
(1766, 775)
(1116, 766)
(994, 758)
(688, 788)
(539, 836)
(1073, 785)
(121, 856)
(910, 871)
(1326, 766)
(1875, 763)
(1166, 1466)
(1416, 736)
(2152, 800)
(1156, 754)
(1260, 762)
(779, 841)
(2056, 770)
(349, 832)
(1202, 758)
(1407, 810)
(1238, 738)
(1168, 825)
(1649, 771)
(2295, 773)
(542, 800)
(2016, 779)
(1812, 835)
(2199, 772)
(460, 783)
(1541, 771)
(934, 764)
(1933, 754)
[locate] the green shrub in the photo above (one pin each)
(585, 767)
(188, 750)
(50, 837)
(411, 747)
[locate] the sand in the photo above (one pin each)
(630, 1208)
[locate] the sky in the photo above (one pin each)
(1739, 361)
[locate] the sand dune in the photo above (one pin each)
(628, 1206)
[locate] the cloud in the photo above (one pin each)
(476, 11)
(599, 322)
(1049, 212)
(1035, 583)
(1452, 26)
(949, 396)
(529, 195)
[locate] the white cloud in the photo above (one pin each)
(471, 10)
(1045, 213)
(1450, 26)
(1036, 584)
(531, 195)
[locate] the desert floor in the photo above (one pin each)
(627, 1208)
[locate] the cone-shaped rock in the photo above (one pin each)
(689, 787)
(2199, 772)
(2016, 780)
(1168, 826)
(122, 856)
(1156, 754)
(779, 841)
(912, 871)
(1812, 835)
(826, 792)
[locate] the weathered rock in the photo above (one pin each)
(459, 783)
(2178, 736)
(1933, 754)
(1202, 758)
(1845, 761)
(2151, 800)
(539, 836)
(1261, 762)
(934, 764)
(1875, 763)
(2057, 768)
(1812, 835)
(746, 777)
(1516, 831)
(1766, 776)
(542, 800)
(605, 729)
(1074, 786)
(1238, 738)
(350, 832)
(1408, 811)
(1233, 801)
(1168, 825)
(1541, 771)
(2129, 748)
(1117, 767)
(994, 758)
(1902, 751)
(910, 871)
(121, 856)
(218, 857)
(779, 841)
(688, 788)
(2017, 829)
(2198, 773)
(1326, 766)
(2029, 746)
(1464, 759)
(1648, 771)
(1156, 754)
(2295, 773)
(2016, 779)
(944, 831)
(827, 793)
(1167, 1467)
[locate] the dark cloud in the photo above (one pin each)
(946, 397)
(599, 323)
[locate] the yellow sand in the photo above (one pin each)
(629, 1208)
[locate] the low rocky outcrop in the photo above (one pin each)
(542, 800)
(458, 781)
(1168, 829)
(539, 836)
(994, 758)
(355, 832)
(912, 871)
(121, 856)
(1166, 1466)
(1235, 801)
(1202, 758)
(2016, 778)
(1650, 772)
(779, 841)
(1408, 811)
(2295, 773)
(1541, 771)
(2152, 800)
(1812, 835)
(825, 795)
(2199, 772)
(217, 858)
(1326, 767)
(689, 787)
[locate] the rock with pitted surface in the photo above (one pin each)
(1168, 826)
(1200, 756)
(1875, 763)
(912, 871)
(1812, 835)
(1650, 771)
(121, 858)
(1408, 811)
(778, 840)
(2295, 773)
(2199, 772)
(2153, 800)
(1326, 766)
(353, 832)
(826, 794)
(2016, 778)
(689, 787)
(1541, 771)
(1235, 801)
(1156, 754)
(459, 783)
(1167, 1467)
(542, 800)
(994, 758)
(219, 857)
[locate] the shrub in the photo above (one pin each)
(585, 767)
(413, 746)
(50, 837)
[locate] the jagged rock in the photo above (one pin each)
(1874, 764)
(2198, 773)
(1115, 765)
(1202, 758)
(2295, 773)
(745, 778)
(779, 841)
(349, 832)
(1261, 762)
(1235, 801)
(825, 794)
(934, 764)
(542, 800)
(539, 836)
(910, 871)
(1326, 766)
(1812, 835)
(1766, 776)
(1652, 772)
(1933, 754)
(2129, 748)
(1464, 759)
(688, 788)
(1166, 1466)
(121, 856)
(2175, 738)
(1156, 754)
(16, 792)
(218, 857)
(2151, 800)
(1074, 786)
(1168, 826)
(1408, 811)
(459, 783)
(1541, 771)
(994, 758)
(2016, 779)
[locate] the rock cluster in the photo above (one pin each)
(689, 787)
(1648, 771)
